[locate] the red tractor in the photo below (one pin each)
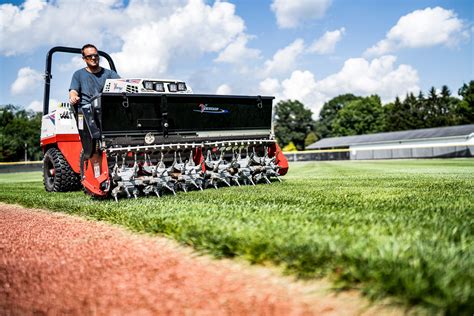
(151, 136)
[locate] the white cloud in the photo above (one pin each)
(358, 76)
(189, 32)
(379, 76)
(237, 52)
(38, 23)
(37, 106)
(17, 18)
(422, 28)
(224, 89)
(156, 34)
(292, 13)
(301, 85)
(270, 86)
(326, 44)
(284, 59)
(27, 80)
(147, 10)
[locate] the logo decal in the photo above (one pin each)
(205, 108)
(149, 138)
(52, 117)
(129, 80)
(64, 115)
(117, 87)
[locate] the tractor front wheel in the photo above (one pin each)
(58, 175)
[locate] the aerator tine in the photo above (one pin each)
(169, 188)
(191, 161)
(266, 179)
(128, 193)
(161, 164)
(123, 162)
(251, 180)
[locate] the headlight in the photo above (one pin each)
(172, 87)
(181, 86)
(159, 86)
(148, 85)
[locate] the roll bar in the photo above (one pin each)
(47, 71)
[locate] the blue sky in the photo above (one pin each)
(310, 50)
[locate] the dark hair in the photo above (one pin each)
(87, 46)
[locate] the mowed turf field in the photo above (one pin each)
(400, 229)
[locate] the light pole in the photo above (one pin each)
(26, 152)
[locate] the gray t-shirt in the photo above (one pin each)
(89, 85)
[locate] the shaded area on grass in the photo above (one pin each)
(391, 228)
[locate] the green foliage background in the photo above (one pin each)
(17, 128)
(293, 123)
(402, 229)
(348, 114)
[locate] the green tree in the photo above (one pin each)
(421, 113)
(465, 109)
(311, 138)
(441, 108)
(391, 115)
(290, 147)
(329, 111)
(435, 110)
(6, 117)
(358, 117)
(19, 127)
(432, 106)
(448, 105)
(292, 123)
(414, 107)
(401, 116)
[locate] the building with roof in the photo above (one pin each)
(440, 142)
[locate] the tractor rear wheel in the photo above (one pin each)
(58, 175)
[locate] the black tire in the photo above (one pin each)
(58, 175)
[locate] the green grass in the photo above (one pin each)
(20, 177)
(402, 229)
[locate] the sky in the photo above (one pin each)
(306, 50)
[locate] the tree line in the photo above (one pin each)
(19, 132)
(347, 115)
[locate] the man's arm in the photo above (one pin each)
(74, 97)
(74, 89)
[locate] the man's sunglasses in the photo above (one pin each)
(96, 56)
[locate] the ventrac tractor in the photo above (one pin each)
(152, 136)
